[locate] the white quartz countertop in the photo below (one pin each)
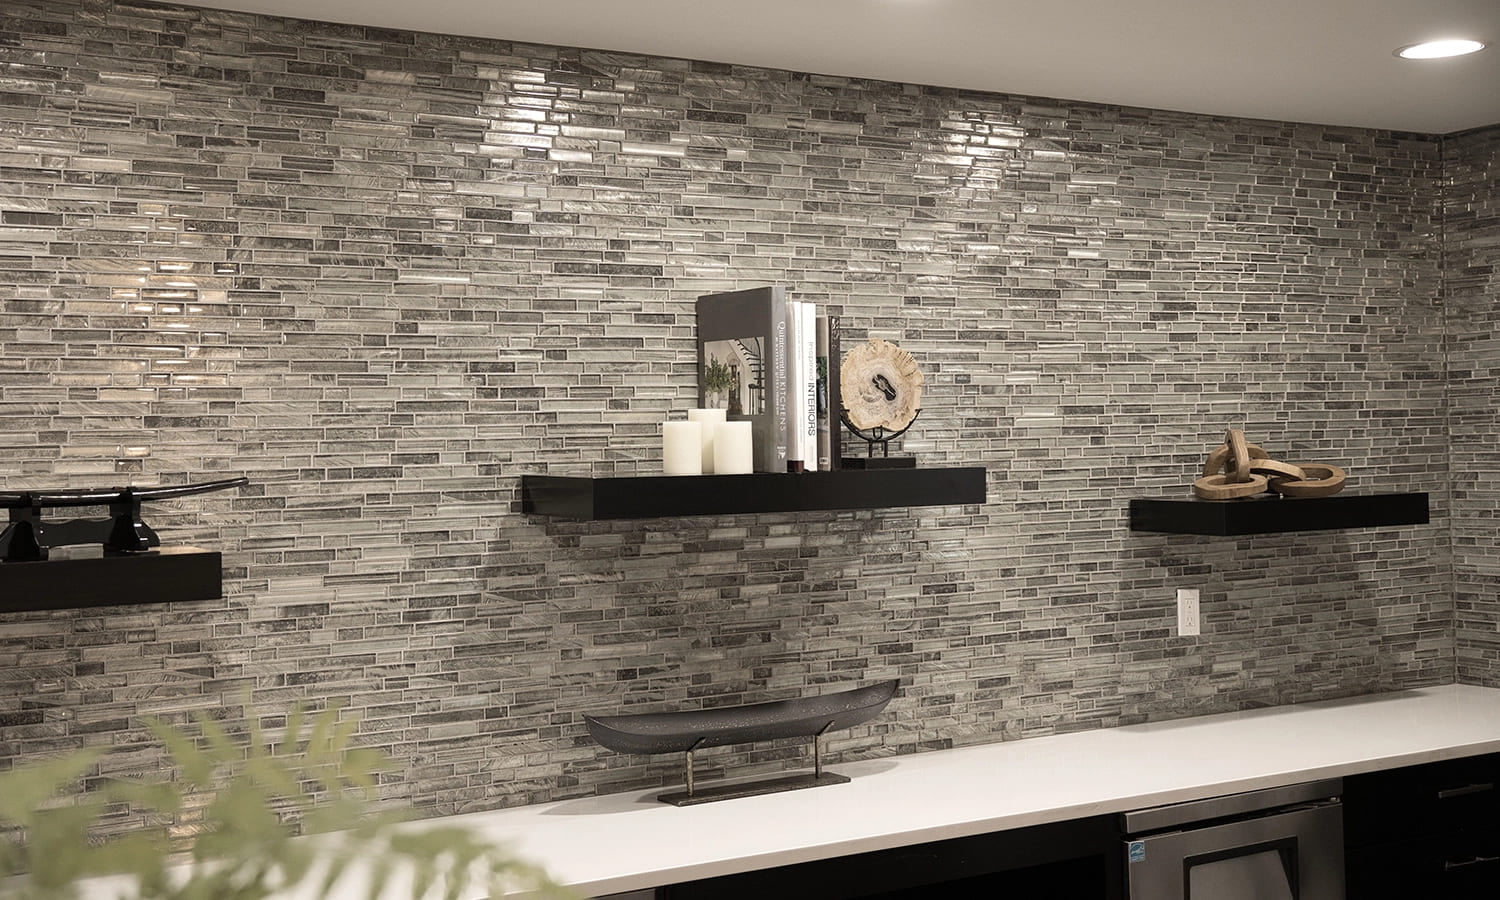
(623, 842)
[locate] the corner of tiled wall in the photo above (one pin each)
(1471, 243)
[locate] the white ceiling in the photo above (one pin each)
(1327, 61)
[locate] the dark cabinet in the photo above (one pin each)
(1075, 860)
(1429, 831)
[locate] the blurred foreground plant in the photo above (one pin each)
(240, 803)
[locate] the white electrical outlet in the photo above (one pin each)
(1187, 611)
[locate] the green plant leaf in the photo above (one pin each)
(291, 733)
(317, 749)
(195, 765)
(25, 789)
(154, 796)
(220, 748)
(238, 803)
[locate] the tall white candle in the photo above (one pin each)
(682, 448)
(734, 449)
(710, 419)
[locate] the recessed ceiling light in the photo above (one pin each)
(1439, 49)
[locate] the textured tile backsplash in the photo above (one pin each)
(1471, 220)
(382, 274)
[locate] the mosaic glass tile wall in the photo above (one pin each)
(382, 274)
(1471, 228)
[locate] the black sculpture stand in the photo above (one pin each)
(817, 778)
(872, 437)
(30, 535)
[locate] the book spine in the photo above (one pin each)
(809, 385)
(835, 395)
(825, 435)
(777, 389)
(796, 451)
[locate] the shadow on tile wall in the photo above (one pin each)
(383, 274)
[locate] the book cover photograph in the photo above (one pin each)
(742, 366)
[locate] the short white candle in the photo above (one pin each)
(682, 448)
(710, 419)
(734, 449)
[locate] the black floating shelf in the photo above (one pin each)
(165, 575)
(652, 496)
(1269, 514)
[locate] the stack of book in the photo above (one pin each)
(773, 361)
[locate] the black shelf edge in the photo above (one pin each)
(656, 496)
(1270, 515)
(165, 575)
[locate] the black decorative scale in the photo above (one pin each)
(685, 732)
(30, 535)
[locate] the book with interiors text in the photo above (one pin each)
(807, 336)
(827, 422)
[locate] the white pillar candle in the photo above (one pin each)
(710, 419)
(682, 448)
(734, 449)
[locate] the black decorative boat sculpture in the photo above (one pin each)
(685, 732)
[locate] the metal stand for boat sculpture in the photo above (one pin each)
(816, 778)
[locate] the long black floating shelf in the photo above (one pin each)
(1269, 514)
(164, 575)
(653, 496)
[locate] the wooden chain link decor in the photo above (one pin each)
(1239, 468)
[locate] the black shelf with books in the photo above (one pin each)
(656, 496)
